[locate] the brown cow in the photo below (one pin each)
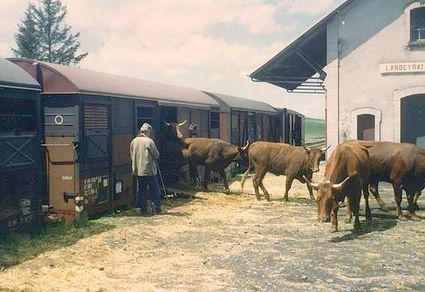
(213, 154)
(347, 173)
(401, 164)
(279, 158)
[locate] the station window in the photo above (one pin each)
(417, 24)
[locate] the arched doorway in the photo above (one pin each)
(413, 119)
(366, 127)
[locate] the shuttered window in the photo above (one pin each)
(96, 117)
(96, 125)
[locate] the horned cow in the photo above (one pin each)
(294, 162)
(213, 154)
(347, 174)
(401, 164)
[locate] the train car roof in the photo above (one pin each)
(289, 111)
(60, 79)
(14, 76)
(243, 104)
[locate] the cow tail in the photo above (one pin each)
(245, 175)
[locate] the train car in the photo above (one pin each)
(243, 119)
(292, 125)
(21, 157)
(90, 120)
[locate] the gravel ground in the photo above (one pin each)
(233, 243)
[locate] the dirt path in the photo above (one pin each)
(233, 243)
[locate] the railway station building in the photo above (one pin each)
(367, 58)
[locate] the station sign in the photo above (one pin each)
(391, 68)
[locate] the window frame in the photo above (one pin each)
(408, 30)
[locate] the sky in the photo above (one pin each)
(210, 45)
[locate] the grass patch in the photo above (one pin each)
(314, 128)
(18, 248)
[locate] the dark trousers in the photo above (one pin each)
(152, 182)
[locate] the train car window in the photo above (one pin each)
(251, 126)
(18, 117)
(242, 128)
(145, 115)
(215, 125)
(235, 139)
(259, 126)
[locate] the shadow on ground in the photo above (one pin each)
(18, 248)
(380, 222)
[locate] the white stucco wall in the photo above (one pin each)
(368, 33)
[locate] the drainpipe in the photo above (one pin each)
(338, 75)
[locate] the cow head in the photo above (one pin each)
(242, 152)
(174, 129)
(314, 156)
(325, 197)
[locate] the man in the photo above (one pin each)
(144, 154)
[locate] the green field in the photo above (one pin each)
(314, 128)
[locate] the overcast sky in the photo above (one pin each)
(209, 45)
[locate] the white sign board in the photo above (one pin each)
(402, 68)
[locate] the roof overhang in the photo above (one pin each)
(300, 66)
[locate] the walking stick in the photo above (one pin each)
(162, 181)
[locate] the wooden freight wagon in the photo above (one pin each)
(90, 120)
(243, 119)
(22, 188)
(293, 124)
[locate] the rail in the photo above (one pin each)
(315, 142)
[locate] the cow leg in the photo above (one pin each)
(193, 174)
(410, 201)
(375, 193)
(355, 207)
(309, 176)
(207, 176)
(410, 194)
(260, 183)
(368, 214)
(349, 213)
(334, 218)
(415, 201)
(256, 181)
(224, 177)
(289, 180)
(398, 197)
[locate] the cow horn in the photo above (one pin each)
(181, 124)
(325, 148)
(311, 184)
(168, 124)
(246, 146)
(338, 187)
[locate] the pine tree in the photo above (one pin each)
(43, 35)
(26, 37)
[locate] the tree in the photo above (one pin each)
(44, 36)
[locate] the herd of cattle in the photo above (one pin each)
(352, 168)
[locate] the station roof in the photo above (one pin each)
(243, 104)
(299, 66)
(14, 76)
(60, 79)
